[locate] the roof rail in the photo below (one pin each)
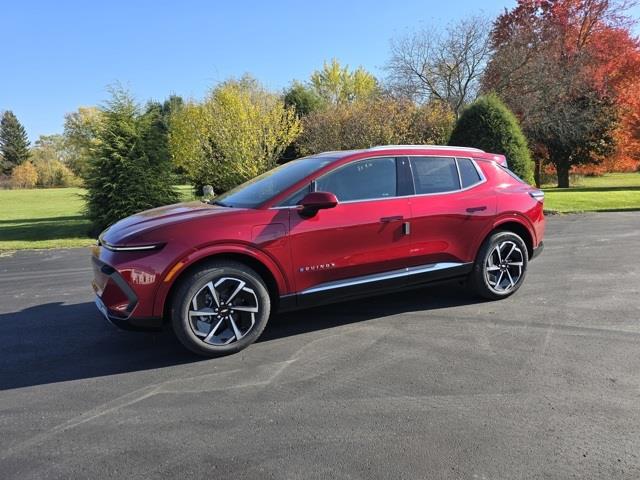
(433, 147)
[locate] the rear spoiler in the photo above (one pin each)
(501, 160)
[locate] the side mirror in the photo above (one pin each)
(314, 201)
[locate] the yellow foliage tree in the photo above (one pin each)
(238, 132)
(378, 121)
(24, 175)
(337, 84)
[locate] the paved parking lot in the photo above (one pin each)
(424, 384)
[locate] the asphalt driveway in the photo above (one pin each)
(431, 383)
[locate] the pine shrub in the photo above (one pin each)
(128, 173)
(489, 125)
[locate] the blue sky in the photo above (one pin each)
(64, 54)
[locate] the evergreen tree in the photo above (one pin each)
(488, 124)
(158, 116)
(304, 99)
(14, 143)
(131, 170)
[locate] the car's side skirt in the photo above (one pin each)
(373, 284)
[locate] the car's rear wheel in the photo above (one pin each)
(500, 267)
(220, 308)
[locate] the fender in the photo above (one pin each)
(217, 249)
(503, 218)
(518, 218)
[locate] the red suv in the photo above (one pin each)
(320, 229)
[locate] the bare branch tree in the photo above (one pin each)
(442, 65)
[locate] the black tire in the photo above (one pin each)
(196, 283)
(481, 279)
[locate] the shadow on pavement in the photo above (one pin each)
(423, 299)
(55, 342)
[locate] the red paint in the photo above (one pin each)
(301, 251)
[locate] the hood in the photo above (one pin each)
(127, 229)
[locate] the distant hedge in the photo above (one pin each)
(489, 125)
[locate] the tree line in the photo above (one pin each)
(552, 85)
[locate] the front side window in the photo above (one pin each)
(434, 174)
(297, 197)
(363, 180)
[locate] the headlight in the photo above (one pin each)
(130, 248)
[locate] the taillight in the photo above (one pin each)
(538, 195)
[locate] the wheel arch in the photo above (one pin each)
(263, 266)
(517, 227)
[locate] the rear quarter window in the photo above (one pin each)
(468, 173)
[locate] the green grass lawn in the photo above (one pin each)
(48, 218)
(613, 191)
(42, 218)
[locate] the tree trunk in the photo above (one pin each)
(537, 173)
(562, 168)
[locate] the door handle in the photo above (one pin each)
(395, 218)
(476, 209)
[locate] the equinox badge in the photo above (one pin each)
(313, 268)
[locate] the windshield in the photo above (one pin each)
(260, 189)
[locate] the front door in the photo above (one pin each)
(363, 235)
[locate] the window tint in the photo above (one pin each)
(375, 178)
(434, 174)
(468, 173)
(296, 197)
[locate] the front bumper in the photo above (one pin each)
(150, 324)
(116, 300)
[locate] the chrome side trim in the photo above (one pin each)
(377, 277)
(415, 195)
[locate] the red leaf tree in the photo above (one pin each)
(570, 69)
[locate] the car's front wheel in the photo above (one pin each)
(220, 308)
(500, 266)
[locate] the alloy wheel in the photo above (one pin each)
(504, 267)
(223, 311)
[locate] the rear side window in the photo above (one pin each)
(434, 174)
(363, 180)
(468, 173)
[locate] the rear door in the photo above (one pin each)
(452, 208)
(362, 235)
